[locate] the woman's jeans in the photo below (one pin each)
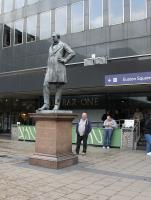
(107, 137)
(148, 142)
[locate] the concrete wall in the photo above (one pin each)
(129, 38)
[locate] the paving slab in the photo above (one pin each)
(101, 174)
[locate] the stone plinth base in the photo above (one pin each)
(53, 147)
(53, 162)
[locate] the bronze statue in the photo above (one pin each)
(59, 54)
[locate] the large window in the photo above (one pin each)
(96, 14)
(61, 20)
(8, 5)
(32, 1)
(116, 11)
(77, 17)
(18, 32)
(7, 35)
(31, 28)
(19, 4)
(45, 25)
(138, 9)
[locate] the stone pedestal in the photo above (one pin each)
(53, 148)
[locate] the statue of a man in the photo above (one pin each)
(59, 54)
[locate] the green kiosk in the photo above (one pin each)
(27, 133)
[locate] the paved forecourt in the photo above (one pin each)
(101, 174)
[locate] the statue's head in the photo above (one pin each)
(55, 37)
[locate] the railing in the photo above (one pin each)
(135, 130)
(131, 134)
(100, 124)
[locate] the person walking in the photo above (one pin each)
(109, 125)
(105, 115)
(83, 129)
(147, 132)
(138, 115)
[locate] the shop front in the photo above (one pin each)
(13, 111)
(121, 105)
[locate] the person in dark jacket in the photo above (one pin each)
(147, 132)
(104, 117)
(83, 129)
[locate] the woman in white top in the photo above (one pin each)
(109, 125)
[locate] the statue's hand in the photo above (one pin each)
(62, 60)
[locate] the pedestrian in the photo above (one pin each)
(147, 132)
(83, 129)
(105, 115)
(138, 115)
(116, 115)
(109, 125)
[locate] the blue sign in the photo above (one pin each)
(128, 79)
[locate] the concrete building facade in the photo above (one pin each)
(119, 30)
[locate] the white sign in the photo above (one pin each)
(129, 123)
(95, 61)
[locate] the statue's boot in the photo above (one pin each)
(56, 107)
(58, 97)
(44, 107)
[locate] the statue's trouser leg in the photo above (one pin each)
(59, 88)
(46, 93)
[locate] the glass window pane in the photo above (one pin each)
(0, 6)
(116, 11)
(31, 28)
(45, 25)
(77, 17)
(7, 35)
(8, 5)
(19, 4)
(18, 32)
(61, 20)
(32, 1)
(96, 13)
(138, 9)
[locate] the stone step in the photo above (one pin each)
(140, 148)
(141, 143)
